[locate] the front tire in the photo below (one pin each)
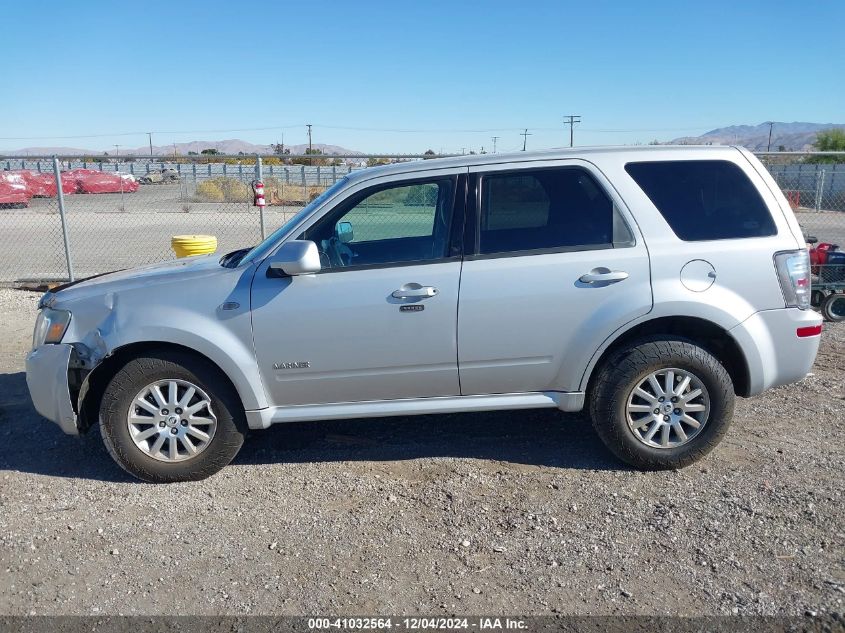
(661, 403)
(170, 416)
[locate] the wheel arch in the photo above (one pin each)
(89, 393)
(702, 332)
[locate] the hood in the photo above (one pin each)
(177, 271)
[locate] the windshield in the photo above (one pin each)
(259, 251)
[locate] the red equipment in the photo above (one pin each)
(43, 185)
(93, 181)
(820, 253)
(14, 191)
(258, 190)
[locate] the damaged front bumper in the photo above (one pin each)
(47, 379)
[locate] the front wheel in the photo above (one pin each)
(171, 416)
(661, 404)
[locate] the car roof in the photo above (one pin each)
(646, 151)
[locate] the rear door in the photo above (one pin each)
(554, 265)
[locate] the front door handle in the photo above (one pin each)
(603, 275)
(414, 291)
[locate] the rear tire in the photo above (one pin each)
(138, 426)
(631, 422)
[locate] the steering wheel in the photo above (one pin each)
(334, 254)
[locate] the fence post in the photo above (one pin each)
(304, 188)
(334, 174)
(60, 196)
(259, 176)
(819, 190)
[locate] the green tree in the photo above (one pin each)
(832, 140)
(310, 161)
(209, 151)
(429, 153)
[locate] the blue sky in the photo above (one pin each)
(456, 73)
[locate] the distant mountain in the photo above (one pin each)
(794, 136)
(49, 151)
(230, 146)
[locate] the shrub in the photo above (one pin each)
(210, 191)
(223, 189)
(234, 190)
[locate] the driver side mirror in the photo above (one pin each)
(296, 257)
(344, 232)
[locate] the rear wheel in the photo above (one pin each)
(170, 416)
(833, 307)
(661, 403)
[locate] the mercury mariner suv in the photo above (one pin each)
(650, 286)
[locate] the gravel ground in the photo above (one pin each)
(513, 512)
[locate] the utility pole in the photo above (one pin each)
(174, 150)
(117, 152)
(771, 125)
(573, 119)
(494, 139)
(150, 134)
(463, 151)
(308, 125)
(525, 136)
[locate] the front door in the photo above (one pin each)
(379, 321)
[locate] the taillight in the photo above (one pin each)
(793, 268)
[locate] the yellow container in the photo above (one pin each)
(188, 245)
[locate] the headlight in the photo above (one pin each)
(50, 326)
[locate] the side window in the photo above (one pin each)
(704, 199)
(387, 224)
(547, 209)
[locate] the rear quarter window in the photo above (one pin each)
(704, 199)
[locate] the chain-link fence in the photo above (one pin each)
(120, 213)
(815, 188)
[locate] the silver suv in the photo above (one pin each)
(649, 285)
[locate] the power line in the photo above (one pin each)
(357, 129)
(573, 119)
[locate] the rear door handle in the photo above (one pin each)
(603, 275)
(414, 291)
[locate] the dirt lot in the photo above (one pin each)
(515, 512)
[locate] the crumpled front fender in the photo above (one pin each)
(47, 380)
